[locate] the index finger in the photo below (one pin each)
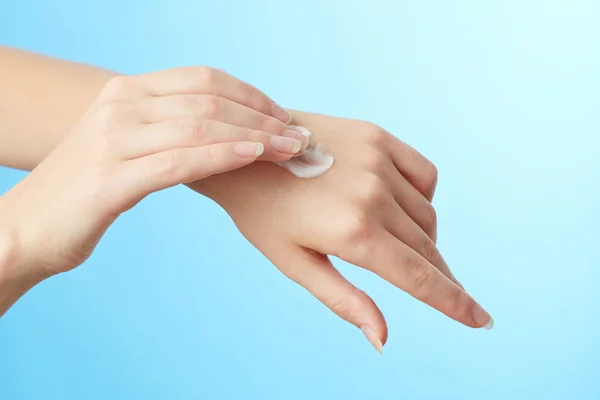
(405, 268)
(206, 80)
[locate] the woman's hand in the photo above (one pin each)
(141, 135)
(372, 209)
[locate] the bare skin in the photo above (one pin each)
(372, 209)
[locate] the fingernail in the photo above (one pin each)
(285, 144)
(302, 130)
(372, 338)
(249, 149)
(280, 113)
(297, 135)
(482, 318)
(304, 136)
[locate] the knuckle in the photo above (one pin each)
(211, 106)
(374, 134)
(372, 191)
(170, 166)
(429, 219)
(117, 86)
(207, 77)
(419, 275)
(431, 175)
(356, 231)
(430, 251)
(341, 308)
(194, 129)
(460, 305)
(349, 307)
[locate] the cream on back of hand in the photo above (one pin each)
(313, 162)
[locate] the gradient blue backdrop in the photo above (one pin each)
(174, 304)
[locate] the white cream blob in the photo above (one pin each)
(313, 162)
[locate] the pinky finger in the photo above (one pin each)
(162, 170)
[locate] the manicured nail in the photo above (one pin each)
(482, 318)
(372, 338)
(249, 150)
(302, 130)
(489, 325)
(304, 135)
(285, 144)
(280, 113)
(297, 135)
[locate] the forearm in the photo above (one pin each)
(41, 98)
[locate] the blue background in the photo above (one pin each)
(503, 96)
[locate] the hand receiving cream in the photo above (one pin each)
(313, 162)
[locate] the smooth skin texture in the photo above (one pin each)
(372, 209)
(42, 98)
(122, 150)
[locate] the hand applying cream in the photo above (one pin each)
(313, 162)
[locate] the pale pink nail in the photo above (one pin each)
(285, 144)
(290, 133)
(482, 318)
(372, 338)
(249, 150)
(302, 130)
(304, 135)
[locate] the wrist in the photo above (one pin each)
(15, 278)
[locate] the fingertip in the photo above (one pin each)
(372, 323)
(482, 319)
(489, 325)
(260, 148)
(372, 338)
(304, 136)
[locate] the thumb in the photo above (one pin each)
(315, 273)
